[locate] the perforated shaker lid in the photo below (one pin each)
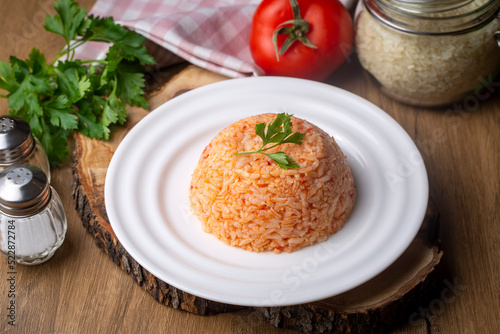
(24, 190)
(16, 140)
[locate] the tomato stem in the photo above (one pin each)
(296, 32)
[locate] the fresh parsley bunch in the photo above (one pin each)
(278, 131)
(88, 96)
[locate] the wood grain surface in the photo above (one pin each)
(80, 290)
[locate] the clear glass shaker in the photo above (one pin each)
(19, 146)
(430, 52)
(32, 218)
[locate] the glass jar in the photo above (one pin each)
(429, 52)
(19, 146)
(32, 219)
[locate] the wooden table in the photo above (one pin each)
(80, 290)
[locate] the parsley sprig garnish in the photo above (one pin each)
(279, 131)
(88, 96)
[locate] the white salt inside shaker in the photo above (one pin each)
(32, 219)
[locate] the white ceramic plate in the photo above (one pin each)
(148, 179)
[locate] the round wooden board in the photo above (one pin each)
(380, 304)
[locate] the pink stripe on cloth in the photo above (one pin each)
(212, 34)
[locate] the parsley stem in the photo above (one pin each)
(76, 44)
(60, 53)
(268, 148)
(68, 49)
(102, 61)
(260, 150)
(243, 153)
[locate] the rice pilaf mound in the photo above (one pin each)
(248, 201)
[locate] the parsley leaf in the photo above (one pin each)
(69, 20)
(132, 85)
(61, 114)
(89, 96)
(279, 131)
(7, 79)
(88, 123)
(283, 160)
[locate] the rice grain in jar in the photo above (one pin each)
(428, 52)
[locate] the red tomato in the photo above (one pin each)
(330, 30)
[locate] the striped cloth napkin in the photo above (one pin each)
(212, 34)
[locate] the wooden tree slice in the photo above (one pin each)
(378, 304)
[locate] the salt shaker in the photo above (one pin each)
(32, 219)
(18, 145)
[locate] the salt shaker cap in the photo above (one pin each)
(24, 190)
(16, 139)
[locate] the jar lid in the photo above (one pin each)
(434, 17)
(24, 190)
(16, 140)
